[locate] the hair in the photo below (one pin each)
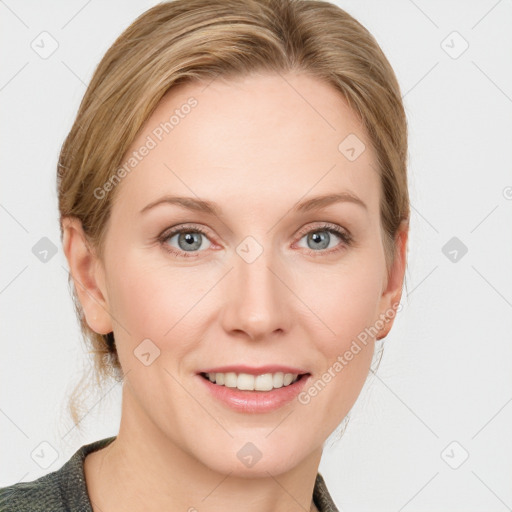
(198, 40)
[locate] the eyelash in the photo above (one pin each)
(345, 237)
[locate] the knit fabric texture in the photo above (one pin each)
(65, 490)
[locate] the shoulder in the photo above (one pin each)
(27, 496)
(321, 496)
(61, 490)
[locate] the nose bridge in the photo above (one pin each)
(256, 300)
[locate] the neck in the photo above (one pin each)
(142, 469)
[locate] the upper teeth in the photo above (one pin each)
(245, 381)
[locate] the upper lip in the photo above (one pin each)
(255, 370)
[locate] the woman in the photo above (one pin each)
(234, 213)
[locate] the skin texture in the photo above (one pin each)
(255, 147)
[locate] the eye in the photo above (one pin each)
(321, 239)
(188, 239)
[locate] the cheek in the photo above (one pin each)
(144, 301)
(347, 305)
(155, 302)
(345, 302)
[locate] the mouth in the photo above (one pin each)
(254, 390)
(249, 382)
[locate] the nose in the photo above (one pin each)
(257, 301)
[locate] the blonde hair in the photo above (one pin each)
(186, 40)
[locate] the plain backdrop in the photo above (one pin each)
(432, 430)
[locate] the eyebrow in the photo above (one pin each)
(208, 207)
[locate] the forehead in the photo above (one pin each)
(268, 136)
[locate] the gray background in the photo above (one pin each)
(443, 391)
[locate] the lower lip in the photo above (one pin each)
(255, 401)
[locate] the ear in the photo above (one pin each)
(392, 293)
(88, 276)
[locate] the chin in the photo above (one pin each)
(251, 459)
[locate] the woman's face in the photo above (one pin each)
(256, 283)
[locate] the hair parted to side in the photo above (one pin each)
(185, 40)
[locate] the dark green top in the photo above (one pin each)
(64, 490)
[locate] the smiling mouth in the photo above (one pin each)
(248, 382)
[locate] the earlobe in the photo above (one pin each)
(393, 293)
(88, 276)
